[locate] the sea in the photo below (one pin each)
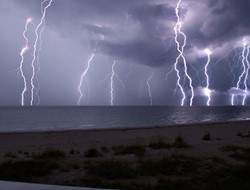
(20, 119)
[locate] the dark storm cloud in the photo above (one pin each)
(228, 20)
(107, 18)
(98, 29)
(137, 51)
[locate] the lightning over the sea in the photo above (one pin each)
(113, 76)
(38, 28)
(207, 90)
(22, 53)
(180, 48)
(83, 76)
(244, 75)
(149, 89)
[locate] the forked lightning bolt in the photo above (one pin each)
(180, 49)
(207, 90)
(42, 21)
(246, 75)
(149, 89)
(38, 56)
(244, 61)
(83, 76)
(38, 65)
(22, 53)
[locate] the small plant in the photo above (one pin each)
(51, 154)
(92, 153)
(239, 134)
(137, 150)
(180, 143)
(206, 137)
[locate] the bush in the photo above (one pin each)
(180, 143)
(206, 137)
(92, 153)
(137, 150)
(51, 154)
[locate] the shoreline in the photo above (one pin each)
(86, 138)
(179, 125)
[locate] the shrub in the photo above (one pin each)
(180, 143)
(51, 154)
(137, 150)
(92, 153)
(206, 137)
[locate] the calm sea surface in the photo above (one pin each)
(65, 118)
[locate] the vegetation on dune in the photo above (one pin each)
(115, 170)
(26, 170)
(180, 143)
(137, 150)
(206, 137)
(50, 154)
(92, 153)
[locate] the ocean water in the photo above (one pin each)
(67, 118)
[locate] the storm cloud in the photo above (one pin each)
(138, 35)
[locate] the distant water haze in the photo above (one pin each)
(67, 118)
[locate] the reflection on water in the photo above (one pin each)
(64, 118)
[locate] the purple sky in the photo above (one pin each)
(139, 36)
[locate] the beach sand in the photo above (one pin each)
(202, 140)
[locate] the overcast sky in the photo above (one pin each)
(139, 36)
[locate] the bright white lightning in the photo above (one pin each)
(113, 76)
(180, 49)
(38, 64)
(246, 75)
(207, 90)
(83, 76)
(242, 74)
(112, 84)
(42, 21)
(149, 89)
(22, 53)
(38, 56)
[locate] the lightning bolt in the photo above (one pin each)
(180, 49)
(113, 76)
(42, 21)
(84, 75)
(207, 90)
(245, 65)
(246, 75)
(22, 53)
(112, 84)
(149, 89)
(38, 65)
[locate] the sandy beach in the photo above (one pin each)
(195, 140)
